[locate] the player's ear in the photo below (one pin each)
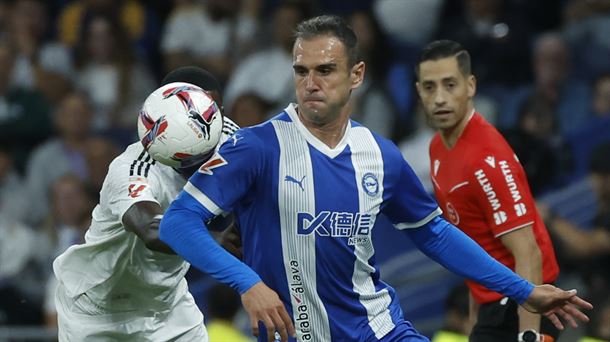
(472, 86)
(357, 74)
(418, 88)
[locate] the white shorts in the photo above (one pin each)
(80, 320)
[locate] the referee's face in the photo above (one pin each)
(323, 78)
(445, 92)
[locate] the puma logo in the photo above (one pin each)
(294, 180)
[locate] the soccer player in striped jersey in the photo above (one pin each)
(124, 283)
(306, 188)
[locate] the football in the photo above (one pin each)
(179, 123)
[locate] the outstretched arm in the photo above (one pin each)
(143, 219)
(185, 231)
(447, 245)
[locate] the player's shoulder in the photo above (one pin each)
(229, 127)
(134, 161)
(482, 138)
(386, 146)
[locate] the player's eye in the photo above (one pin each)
(300, 71)
(325, 71)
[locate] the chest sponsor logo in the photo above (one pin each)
(498, 215)
(354, 226)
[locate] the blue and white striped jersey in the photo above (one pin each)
(306, 213)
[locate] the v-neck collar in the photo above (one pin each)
(312, 139)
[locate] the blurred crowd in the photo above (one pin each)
(73, 75)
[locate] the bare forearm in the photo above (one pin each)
(529, 268)
(143, 219)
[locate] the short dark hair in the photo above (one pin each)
(331, 25)
(193, 75)
(440, 49)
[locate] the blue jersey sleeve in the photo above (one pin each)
(215, 188)
(229, 174)
(408, 205)
(453, 249)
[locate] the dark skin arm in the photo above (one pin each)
(140, 220)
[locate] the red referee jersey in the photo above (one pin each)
(482, 189)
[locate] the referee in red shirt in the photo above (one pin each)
(482, 189)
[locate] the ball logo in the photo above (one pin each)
(452, 214)
(153, 128)
(370, 184)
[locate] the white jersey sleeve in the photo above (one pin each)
(130, 181)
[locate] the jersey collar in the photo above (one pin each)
(311, 139)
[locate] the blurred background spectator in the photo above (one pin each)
(109, 72)
(223, 305)
(275, 60)
(73, 74)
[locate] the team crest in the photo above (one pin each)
(370, 184)
(452, 214)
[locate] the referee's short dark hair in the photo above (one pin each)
(440, 49)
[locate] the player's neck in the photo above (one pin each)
(330, 133)
(451, 135)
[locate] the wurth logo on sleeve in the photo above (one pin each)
(510, 181)
(520, 209)
(488, 189)
(499, 217)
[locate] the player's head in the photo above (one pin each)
(197, 76)
(180, 125)
(326, 67)
(445, 83)
(206, 81)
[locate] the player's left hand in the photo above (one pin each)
(554, 303)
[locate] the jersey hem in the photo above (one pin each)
(514, 228)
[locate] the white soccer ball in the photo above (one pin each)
(179, 123)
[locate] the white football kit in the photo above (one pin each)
(114, 288)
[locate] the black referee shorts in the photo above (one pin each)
(499, 322)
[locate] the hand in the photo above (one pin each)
(552, 301)
(263, 304)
